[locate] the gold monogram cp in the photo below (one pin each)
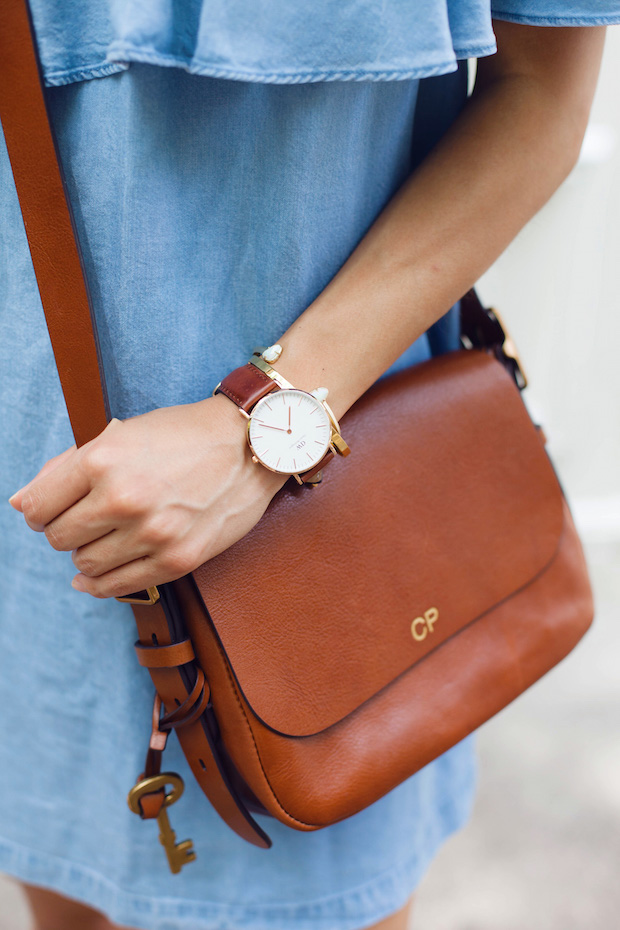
(422, 626)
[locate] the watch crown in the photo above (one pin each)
(320, 393)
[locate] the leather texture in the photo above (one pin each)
(449, 503)
(246, 385)
(311, 782)
(165, 656)
(355, 633)
(325, 699)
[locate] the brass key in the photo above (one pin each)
(178, 854)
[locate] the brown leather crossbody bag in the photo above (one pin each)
(424, 586)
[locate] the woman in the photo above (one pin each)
(219, 210)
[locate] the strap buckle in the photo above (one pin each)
(147, 597)
(510, 352)
(483, 328)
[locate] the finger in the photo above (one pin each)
(143, 573)
(16, 499)
(109, 552)
(127, 579)
(85, 522)
(104, 509)
(53, 493)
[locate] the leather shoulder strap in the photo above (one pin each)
(49, 224)
(60, 277)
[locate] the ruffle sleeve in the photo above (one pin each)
(286, 41)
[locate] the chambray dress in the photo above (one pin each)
(222, 167)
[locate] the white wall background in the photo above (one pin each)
(558, 287)
(542, 851)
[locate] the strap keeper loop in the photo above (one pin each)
(192, 707)
(165, 656)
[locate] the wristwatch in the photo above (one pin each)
(290, 432)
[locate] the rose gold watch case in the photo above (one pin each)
(329, 447)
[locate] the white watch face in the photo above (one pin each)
(289, 431)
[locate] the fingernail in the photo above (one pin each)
(12, 497)
(78, 584)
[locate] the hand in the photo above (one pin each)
(151, 498)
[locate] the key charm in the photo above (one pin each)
(178, 854)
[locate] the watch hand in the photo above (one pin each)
(289, 430)
(269, 426)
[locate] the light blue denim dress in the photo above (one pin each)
(214, 200)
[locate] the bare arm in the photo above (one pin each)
(516, 141)
(153, 497)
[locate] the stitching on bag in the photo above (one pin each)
(277, 800)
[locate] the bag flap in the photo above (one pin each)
(447, 505)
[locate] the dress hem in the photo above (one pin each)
(531, 20)
(358, 907)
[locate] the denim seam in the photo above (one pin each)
(534, 20)
(116, 62)
(202, 66)
(83, 73)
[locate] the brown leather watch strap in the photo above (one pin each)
(307, 476)
(246, 385)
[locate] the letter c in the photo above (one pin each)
(419, 636)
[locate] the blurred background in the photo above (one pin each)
(542, 851)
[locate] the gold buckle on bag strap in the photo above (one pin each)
(150, 596)
(483, 328)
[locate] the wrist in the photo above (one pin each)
(291, 431)
(305, 366)
(232, 427)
